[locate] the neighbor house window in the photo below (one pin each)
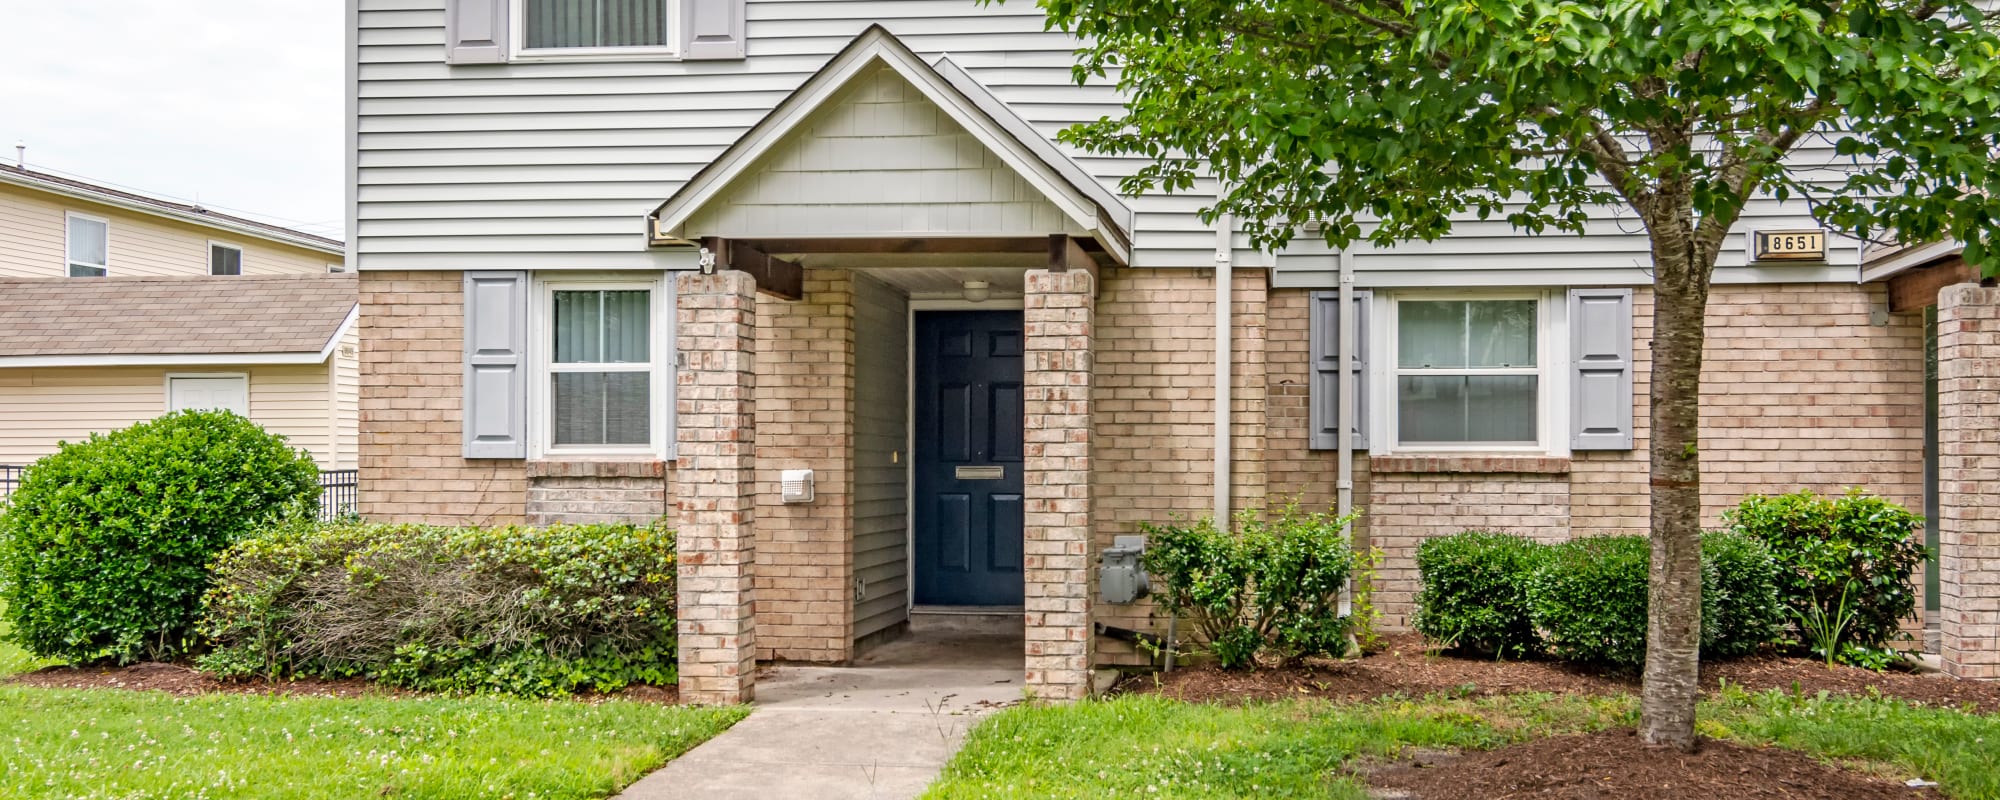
(1468, 373)
(225, 260)
(89, 246)
(568, 27)
(605, 384)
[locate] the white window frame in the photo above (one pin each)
(167, 386)
(69, 232)
(665, 358)
(242, 263)
(517, 31)
(1551, 372)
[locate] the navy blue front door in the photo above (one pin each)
(968, 458)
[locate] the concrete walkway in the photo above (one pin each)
(879, 730)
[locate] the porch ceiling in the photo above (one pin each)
(919, 281)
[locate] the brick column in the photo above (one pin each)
(1968, 472)
(1057, 321)
(715, 486)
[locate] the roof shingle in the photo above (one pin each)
(172, 316)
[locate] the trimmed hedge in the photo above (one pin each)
(1823, 545)
(1588, 599)
(535, 612)
(105, 545)
(1474, 595)
(1585, 600)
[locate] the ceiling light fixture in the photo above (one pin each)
(977, 291)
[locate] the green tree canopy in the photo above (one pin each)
(1387, 120)
(1384, 120)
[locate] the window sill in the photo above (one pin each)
(1476, 464)
(597, 467)
(586, 58)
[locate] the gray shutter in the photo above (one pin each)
(496, 365)
(1323, 389)
(712, 30)
(1600, 336)
(475, 31)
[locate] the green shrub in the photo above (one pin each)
(1857, 545)
(105, 545)
(1748, 613)
(1474, 593)
(1588, 600)
(1270, 586)
(527, 611)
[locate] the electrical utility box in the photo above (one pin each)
(1119, 576)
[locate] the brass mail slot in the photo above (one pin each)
(981, 473)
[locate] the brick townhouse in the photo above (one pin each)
(824, 290)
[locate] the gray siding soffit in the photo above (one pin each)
(877, 46)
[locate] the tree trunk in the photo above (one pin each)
(1673, 641)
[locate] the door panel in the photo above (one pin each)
(968, 458)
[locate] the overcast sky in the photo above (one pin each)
(237, 103)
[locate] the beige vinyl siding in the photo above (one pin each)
(346, 378)
(32, 244)
(881, 469)
(40, 407)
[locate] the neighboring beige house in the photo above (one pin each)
(116, 308)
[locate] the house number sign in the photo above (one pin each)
(1806, 245)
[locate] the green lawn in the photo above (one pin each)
(113, 743)
(1152, 747)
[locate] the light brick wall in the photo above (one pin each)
(1801, 390)
(716, 487)
(576, 491)
(805, 420)
(412, 328)
(1968, 472)
(1059, 481)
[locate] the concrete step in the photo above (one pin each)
(995, 620)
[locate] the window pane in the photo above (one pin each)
(595, 23)
(1501, 333)
(599, 408)
(603, 327)
(1448, 409)
(81, 271)
(86, 241)
(224, 260)
(1430, 334)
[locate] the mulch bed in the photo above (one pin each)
(1614, 764)
(183, 681)
(1403, 667)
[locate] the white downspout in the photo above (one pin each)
(1224, 272)
(1345, 356)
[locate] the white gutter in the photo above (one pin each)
(1224, 273)
(1344, 356)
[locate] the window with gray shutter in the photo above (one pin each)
(475, 31)
(1600, 329)
(1323, 390)
(496, 384)
(712, 30)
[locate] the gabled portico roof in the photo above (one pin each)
(1082, 199)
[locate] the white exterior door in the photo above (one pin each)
(227, 393)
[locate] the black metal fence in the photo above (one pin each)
(339, 489)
